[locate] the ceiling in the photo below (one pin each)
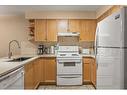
(21, 9)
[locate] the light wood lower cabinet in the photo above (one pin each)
(49, 70)
(44, 70)
(29, 81)
(40, 70)
(93, 72)
(86, 70)
(89, 70)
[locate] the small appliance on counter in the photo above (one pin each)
(52, 50)
(41, 49)
(85, 51)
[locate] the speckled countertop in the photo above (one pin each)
(6, 67)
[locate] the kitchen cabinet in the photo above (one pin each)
(52, 30)
(40, 30)
(50, 70)
(89, 70)
(69, 25)
(29, 81)
(62, 25)
(74, 25)
(38, 71)
(93, 72)
(45, 30)
(42, 70)
(88, 29)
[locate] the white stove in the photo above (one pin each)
(69, 66)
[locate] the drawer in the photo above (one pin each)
(88, 60)
(69, 80)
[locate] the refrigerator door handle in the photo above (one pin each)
(96, 43)
(96, 40)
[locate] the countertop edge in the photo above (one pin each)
(34, 58)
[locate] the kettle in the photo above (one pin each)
(52, 51)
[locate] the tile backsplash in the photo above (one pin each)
(86, 44)
(28, 48)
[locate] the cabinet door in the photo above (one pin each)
(42, 63)
(51, 30)
(87, 70)
(93, 72)
(50, 69)
(29, 76)
(39, 71)
(74, 25)
(88, 29)
(62, 25)
(40, 30)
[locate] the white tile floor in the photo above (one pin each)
(54, 87)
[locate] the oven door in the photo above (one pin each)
(69, 66)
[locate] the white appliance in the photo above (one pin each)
(69, 66)
(111, 51)
(68, 34)
(85, 51)
(13, 80)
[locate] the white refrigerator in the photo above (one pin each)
(110, 49)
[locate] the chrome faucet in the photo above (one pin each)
(10, 53)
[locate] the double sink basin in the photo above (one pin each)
(20, 59)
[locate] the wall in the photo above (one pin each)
(108, 12)
(61, 15)
(12, 28)
(102, 10)
(15, 27)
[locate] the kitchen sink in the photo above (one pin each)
(19, 59)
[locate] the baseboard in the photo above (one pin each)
(89, 83)
(37, 85)
(54, 83)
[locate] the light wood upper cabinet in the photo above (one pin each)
(74, 25)
(52, 30)
(62, 25)
(88, 29)
(50, 69)
(40, 30)
(46, 30)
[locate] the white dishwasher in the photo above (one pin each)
(13, 80)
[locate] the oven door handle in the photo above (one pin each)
(77, 62)
(70, 77)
